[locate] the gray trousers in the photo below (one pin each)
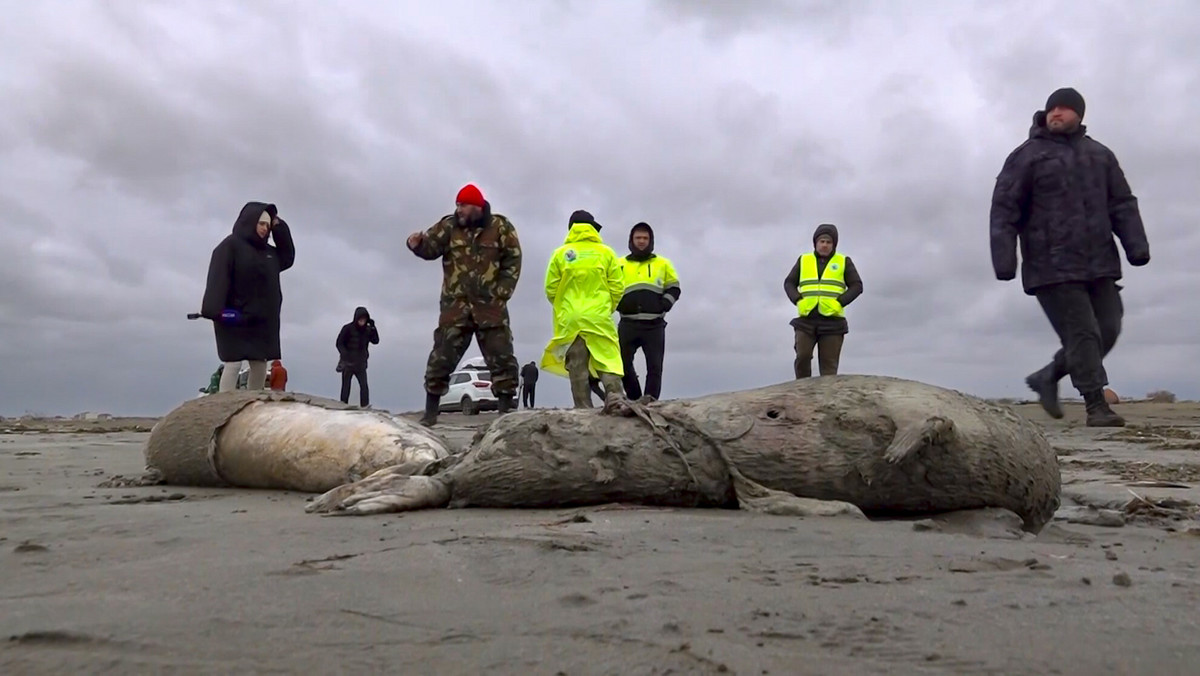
(229, 377)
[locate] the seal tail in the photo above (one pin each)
(913, 437)
(390, 489)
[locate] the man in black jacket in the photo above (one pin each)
(1062, 195)
(529, 378)
(821, 284)
(651, 291)
(352, 345)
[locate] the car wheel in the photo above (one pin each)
(468, 406)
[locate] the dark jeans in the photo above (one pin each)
(1087, 318)
(651, 338)
(528, 391)
(829, 352)
(364, 392)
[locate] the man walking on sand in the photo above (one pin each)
(651, 290)
(481, 263)
(1062, 196)
(584, 285)
(353, 344)
(821, 284)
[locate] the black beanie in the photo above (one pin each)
(1068, 98)
(581, 216)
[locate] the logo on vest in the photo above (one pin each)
(833, 266)
(569, 254)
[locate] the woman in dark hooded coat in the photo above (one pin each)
(243, 296)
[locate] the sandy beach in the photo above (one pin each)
(180, 580)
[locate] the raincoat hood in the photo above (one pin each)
(582, 232)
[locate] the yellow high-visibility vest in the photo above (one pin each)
(821, 292)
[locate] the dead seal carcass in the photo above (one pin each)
(817, 445)
(282, 440)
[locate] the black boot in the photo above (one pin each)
(505, 404)
(1098, 412)
(431, 410)
(1042, 382)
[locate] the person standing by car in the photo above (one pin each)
(1060, 197)
(481, 264)
(651, 290)
(353, 346)
(529, 377)
(243, 296)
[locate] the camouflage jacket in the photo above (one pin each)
(480, 268)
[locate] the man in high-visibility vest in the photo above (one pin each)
(584, 282)
(821, 284)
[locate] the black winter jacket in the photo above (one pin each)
(353, 341)
(529, 373)
(1063, 197)
(243, 274)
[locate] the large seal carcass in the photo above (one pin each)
(282, 440)
(835, 444)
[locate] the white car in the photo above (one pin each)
(470, 392)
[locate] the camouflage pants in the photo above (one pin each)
(582, 384)
(450, 343)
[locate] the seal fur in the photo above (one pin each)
(831, 445)
(282, 440)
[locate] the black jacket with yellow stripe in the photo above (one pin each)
(651, 283)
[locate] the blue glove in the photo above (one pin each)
(231, 317)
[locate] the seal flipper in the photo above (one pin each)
(913, 437)
(387, 490)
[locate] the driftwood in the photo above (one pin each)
(289, 441)
(843, 444)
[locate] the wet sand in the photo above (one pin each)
(181, 580)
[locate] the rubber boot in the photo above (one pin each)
(505, 404)
(431, 409)
(1042, 382)
(1098, 412)
(613, 388)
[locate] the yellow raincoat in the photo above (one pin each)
(584, 283)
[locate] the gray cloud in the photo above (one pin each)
(133, 133)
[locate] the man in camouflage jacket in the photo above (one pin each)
(481, 263)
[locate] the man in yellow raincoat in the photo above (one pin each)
(584, 283)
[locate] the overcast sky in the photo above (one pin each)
(132, 133)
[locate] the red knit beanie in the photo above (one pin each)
(470, 195)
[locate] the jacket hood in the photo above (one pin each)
(636, 254)
(247, 221)
(582, 232)
(360, 312)
(826, 229)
